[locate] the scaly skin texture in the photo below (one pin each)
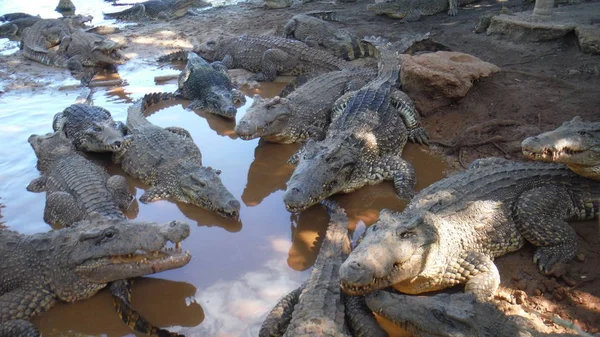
(207, 85)
(316, 33)
(303, 114)
(411, 10)
(14, 16)
(76, 48)
(170, 162)
(74, 263)
(14, 29)
(153, 10)
(363, 144)
(446, 315)
(575, 143)
(452, 230)
(75, 187)
(319, 308)
(269, 56)
(90, 128)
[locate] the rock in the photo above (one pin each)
(65, 6)
(524, 27)
(588, 38)
(437, 79)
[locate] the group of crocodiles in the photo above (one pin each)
(354, 123)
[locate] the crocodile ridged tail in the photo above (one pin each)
(157, 97)
(180, 55)
(49, 59)
(121, 291)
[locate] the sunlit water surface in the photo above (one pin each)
(239, 269)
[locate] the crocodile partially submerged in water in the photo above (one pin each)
(412, 10)
(269, 56)
(363, 145)
(37, 271)
(153, 10)
(452, 230)
(57, 43)
(90, 128)
(575, 143)
(446, 315)
(75, 187)
(319, 308)
(168, 160)
(315, 32)
(207, 85)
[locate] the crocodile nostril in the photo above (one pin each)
(117, 143)
(295, 189)
(234, 204)
(355, 265)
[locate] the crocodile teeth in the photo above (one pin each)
(178, 245)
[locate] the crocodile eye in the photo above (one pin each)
(406, 235)
(96, 128)
(583, 133)
(373, 228)
(110, 233)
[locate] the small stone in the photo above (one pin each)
(574, 72)
(581, 257)
(558, 296)
(537, 292)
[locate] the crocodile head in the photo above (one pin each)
(181, 7)
(264, 118)
(395, 249)
(203, 187)
(394, 9)
(575, 143)
(83, 258)
(105, 51)
(324, 168)
(8, 30)
(50, 147)
(440, 315)
(209, 49)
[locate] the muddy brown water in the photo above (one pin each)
(239, 269)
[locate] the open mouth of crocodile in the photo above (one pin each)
(138, 263)
(551, 154)
(375, 284)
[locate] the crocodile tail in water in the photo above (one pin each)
(157, 97)
(180, 55)
(121, 292)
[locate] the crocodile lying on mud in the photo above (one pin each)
(319, 308)
(363, 145)
(57, 43)
(303, 114)
(75, 187)
(316, 33)
(575, 143)
(452, 230)
(90, 128)
(153, 10)
(446, 315)
(269, 56)
(168, 160)
(411, 10)
(74, 263)
(207, 85)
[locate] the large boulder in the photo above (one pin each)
(437, 79)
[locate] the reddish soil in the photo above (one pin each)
(540, 85)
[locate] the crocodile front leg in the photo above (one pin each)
(483, 278)
(62, 209)
(279, 318)
(360, 318)
(539, 215)
(272, 59)
(18, 328)
(118, 187)
(452, 7)
(410, 116)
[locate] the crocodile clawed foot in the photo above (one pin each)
(453, 11)
(418, 136)
(547, 257)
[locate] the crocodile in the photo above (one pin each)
(363, 144)
(14, 16)
(75, 187)
(74, 263)
(76, 48)
(90, 128)
(452, 230)
(412, 10)
(575, 143)
(316, 33)
(269, 56)
(319, 308)
(207, 85)
(304, 113)
(13, 29)
(153, 10)
(446, 315)
(168, 160)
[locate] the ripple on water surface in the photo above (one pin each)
(239, 268)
